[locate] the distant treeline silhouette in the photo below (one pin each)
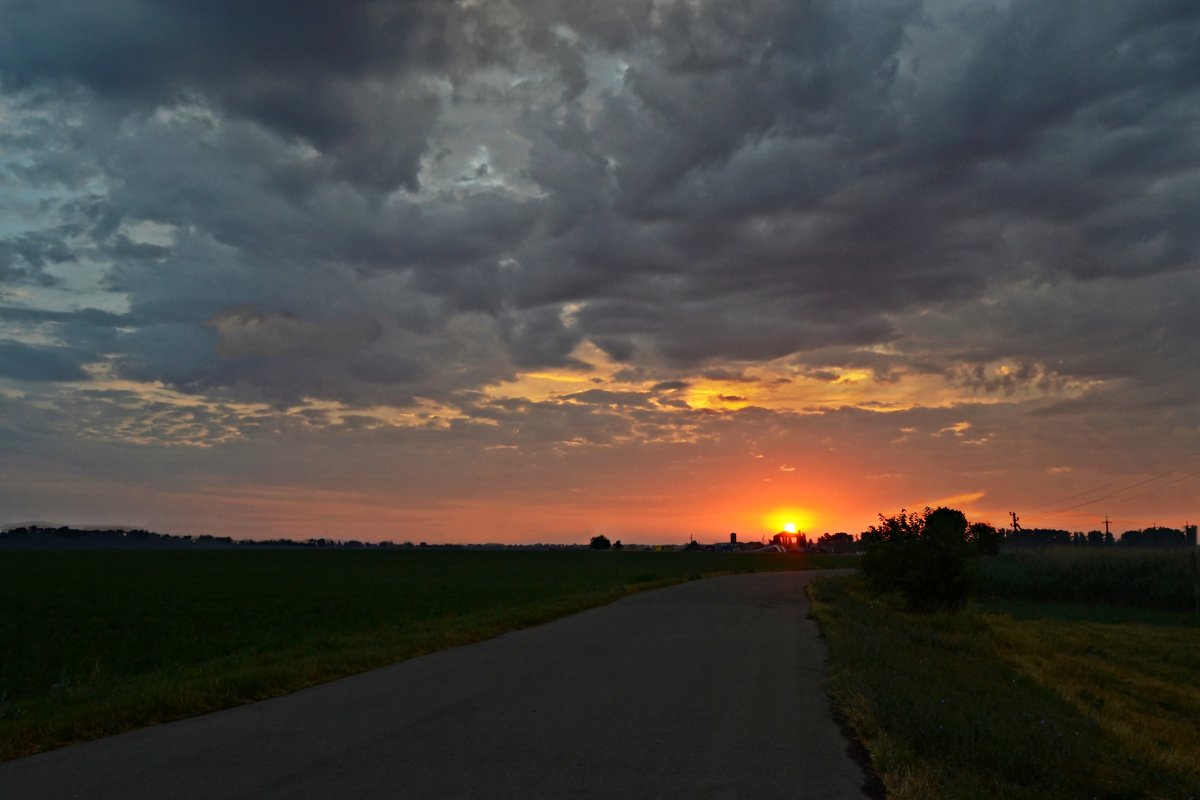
(1054, 537)
(64, 537)
(38, 537)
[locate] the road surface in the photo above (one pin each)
(708, 689)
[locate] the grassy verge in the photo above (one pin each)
(1016, 700)
(93, 643)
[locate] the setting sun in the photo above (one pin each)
(789, 520)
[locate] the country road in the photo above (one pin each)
(709, 689)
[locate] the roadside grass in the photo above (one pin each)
(1016, 700)
(94, 643)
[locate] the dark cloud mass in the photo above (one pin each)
(394, 203)
(30, 363)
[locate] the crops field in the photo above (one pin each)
(1155, 579)
(92, 643)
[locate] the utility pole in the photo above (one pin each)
(1106, 523)
(1016, 526)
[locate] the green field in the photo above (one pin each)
(92, 643)
(1017, 698)
(1130, 577)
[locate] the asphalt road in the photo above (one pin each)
(709, 689)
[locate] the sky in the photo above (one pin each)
(536, 270)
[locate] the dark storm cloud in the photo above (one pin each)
(25, 257)
(90, 332)
(315, 69)
(691, 186)
(30, 363)
(602, 397)
(1137, 336)
(850, 164)
(248, 332)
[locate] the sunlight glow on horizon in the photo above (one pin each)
(790, 520)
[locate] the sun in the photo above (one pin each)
(790, 519)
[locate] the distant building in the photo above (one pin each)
(790, 541)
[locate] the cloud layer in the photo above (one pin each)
(403, 213)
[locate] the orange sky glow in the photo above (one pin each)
(705, 459)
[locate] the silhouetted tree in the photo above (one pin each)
(1040, 537)
(600, 542)
(1154, 537)
(840, 542)
(922, 556)
(984, 538)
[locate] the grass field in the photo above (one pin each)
(92, 643)
(1017, 699)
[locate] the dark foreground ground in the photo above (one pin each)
(707, 689)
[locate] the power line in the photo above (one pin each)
(1110, 494)
(1171, 483)
(1069, 497)
(1160, 476)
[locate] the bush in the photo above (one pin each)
(922, 556)
(600, 542)
(984, 538)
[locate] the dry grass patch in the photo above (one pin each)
(991, 705)
(1140, 684)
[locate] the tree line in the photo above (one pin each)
(1155, 536)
